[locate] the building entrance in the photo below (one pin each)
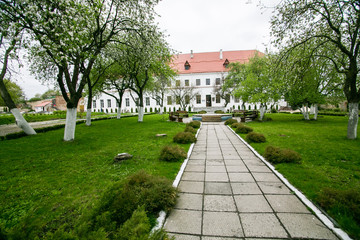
(208, 100)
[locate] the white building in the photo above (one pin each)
(203, 71)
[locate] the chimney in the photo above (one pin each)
(191, 54)
(221, 54)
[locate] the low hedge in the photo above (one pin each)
(278, 155)
(255, 137)
(172, 154)
(184, 137)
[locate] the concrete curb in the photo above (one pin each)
(162, 214)
(339, 232)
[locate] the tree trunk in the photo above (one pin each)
(262, 112)
(140, 114)
(161, 110)
(353, 120)
(305, 111)
(316, 111)
(70, 124)
(118, 113)
(21, 122)
(88, 117)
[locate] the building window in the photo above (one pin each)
(94, 103)
(217, 98)
(187, 65)
(178, 83)
(198, 99)
(109, 103)
(237, 100)
(187, 82)
(127, 102)
(197, 82)
(187, 99)
(102, 103)
(217, 81)
(227, 98)
(147, 100)
(208, 81)
(169, 102)
(177, 100)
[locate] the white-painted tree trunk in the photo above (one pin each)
(353, 120)
(305, 111)
(21, 122)
(88, 117)
(161, 110)
(118, 113)
(316, 111)
(262, 112)
(140, 114)
(70, 124)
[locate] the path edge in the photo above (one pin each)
(339, 232)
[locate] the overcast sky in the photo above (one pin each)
(201, 26)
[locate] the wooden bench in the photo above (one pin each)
(244, 114)
(211, 118)
(178, 115)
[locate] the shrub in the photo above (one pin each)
(172, 154)
(194, 124)
(236, 125)
(184, 137)
(202, 112)
(230, 121)
(255, 137)
(190, 129)
(243, 129)
(278, 155)
(273, 110)
(117, 205)
(219, 111)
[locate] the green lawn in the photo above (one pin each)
(330, 168)
(47, 182)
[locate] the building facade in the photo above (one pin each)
(203, 72)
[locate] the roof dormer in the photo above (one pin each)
(187, 65)
(226, 63)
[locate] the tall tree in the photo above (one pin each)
(70, 36)
(333, 25)
(10, 41)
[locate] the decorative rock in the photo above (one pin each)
(122, 156)
(161, 135)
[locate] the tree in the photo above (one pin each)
(15, 91)
(183, 95)
(10, 41)
(224, 91)
(71, 34)
(51, 93)
(332, 25)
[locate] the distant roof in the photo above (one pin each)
(43, 104)
(210, 61)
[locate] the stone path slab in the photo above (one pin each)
(227, 192)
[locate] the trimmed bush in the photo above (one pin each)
(190, 129)
(194, 124)
(255, 137)
(236, 125)
(243, 129)
(184, 137)
(278, 155)
(202, 112)
(230, 121)
(172, 154)
(219, 111)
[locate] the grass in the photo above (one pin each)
(49, 182)
(329, 160)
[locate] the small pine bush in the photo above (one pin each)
(184, 137)
(202, 112)
(255, 137)
(195, 124)
(219, 111)
(172, 154)
(236, 125)
(243, 129)
(230, 121)
(190, 129)
(278, 155)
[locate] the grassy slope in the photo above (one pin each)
(52, 181)
(329, 160)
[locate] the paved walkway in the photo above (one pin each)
(226, 192)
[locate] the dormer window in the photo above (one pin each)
(187, 65)
(226, 63)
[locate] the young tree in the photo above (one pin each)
(10, 41)
(333, 25)
(15, 91)
(70, 36)
(183, 95)
(223, 90)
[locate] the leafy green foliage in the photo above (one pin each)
(15, 91)
(190, 129)
(195, 124)
(230, 121)
(241, 128)
(255, 137)
(184, 137)
(172, 154)
(236, 125)
(278, 155)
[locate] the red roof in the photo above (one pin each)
(43, 104)
(210, 61)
